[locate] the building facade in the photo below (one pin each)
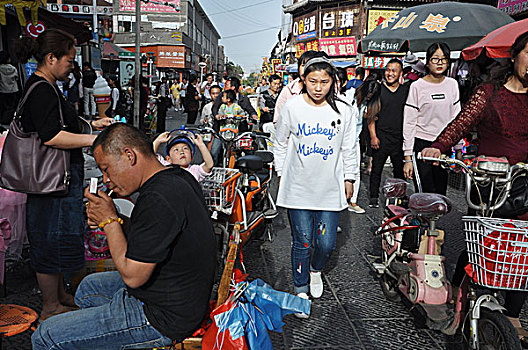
(178, 38)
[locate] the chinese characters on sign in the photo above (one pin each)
(377, 17)
(130, 5)
(305, 27)
(338, 46)
(513, 7)
(171, 56)
(433, 23)
(300, 48)
(376, 62)
(383, 46)
(339, 22)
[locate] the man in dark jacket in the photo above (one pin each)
(269, 98)
(233, 83)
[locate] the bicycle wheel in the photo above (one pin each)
(495, 332)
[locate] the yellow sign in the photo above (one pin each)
(376, 17)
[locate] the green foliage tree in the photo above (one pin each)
(234, 70)
(251, 80)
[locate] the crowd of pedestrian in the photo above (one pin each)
(325, 127)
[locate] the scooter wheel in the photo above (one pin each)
(388, 287)
(495, 331)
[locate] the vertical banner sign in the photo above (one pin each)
(305, 27)
(340, 22)
(274, 63)
(377, 17)
(338, 46)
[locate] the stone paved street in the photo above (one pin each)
(351, 314)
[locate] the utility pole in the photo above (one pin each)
(137, 82)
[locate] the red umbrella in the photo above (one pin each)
(498, 42)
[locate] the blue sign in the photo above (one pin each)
(305, 36)
(31, 67)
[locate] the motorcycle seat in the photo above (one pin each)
(266, 156)
(429, 204)
(249, 163)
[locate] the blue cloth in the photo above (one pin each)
(310, 228)
(55, 228)
(261, 308)
(354, 83)
(109, 319)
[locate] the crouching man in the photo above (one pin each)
(165, 264)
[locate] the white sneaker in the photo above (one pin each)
(316, 284)
(339, 229)
(302, 314)
(355, 208)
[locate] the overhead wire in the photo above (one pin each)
(244, 18)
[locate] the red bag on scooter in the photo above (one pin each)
(504, 257)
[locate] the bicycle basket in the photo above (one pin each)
(498, 252)
(219, 189)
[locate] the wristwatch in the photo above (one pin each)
(350, 180)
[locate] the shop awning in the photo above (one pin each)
(113, 52)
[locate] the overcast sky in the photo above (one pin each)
(237, 17)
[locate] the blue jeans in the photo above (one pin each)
(311, 228)
(109, 319)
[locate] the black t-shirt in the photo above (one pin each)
(269, 101)
(89, 78)
(390, 119)
(170, 226)
(41, 114)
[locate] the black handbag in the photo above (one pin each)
(27, 164)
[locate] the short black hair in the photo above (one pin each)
(230, 95)
(215, 86)
(274, 77)
(397, 61)
(235, 82)
(360, 71)
(208, 75)
(114, 138)
(192, 79)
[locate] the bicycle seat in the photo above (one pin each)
(395, 188)
(429, 204)
(249, 162)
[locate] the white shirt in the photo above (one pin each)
(315, 151)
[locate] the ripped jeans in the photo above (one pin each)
(311, 228)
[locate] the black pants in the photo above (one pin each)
(191, 116)
(433, 178)
(514, 300)
(379, 157)
(162, 115)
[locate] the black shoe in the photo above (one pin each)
(524, 342)
(374, 203)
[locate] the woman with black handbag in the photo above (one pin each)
(55, 223)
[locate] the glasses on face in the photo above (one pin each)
(437, 60)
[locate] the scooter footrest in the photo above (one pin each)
(270, 213)
(399, 268)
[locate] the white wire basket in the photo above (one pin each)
(498, 252)
(219, 189)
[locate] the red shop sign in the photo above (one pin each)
(338, 46)
(34, 31)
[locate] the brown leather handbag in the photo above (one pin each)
(27, 164)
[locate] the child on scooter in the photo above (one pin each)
(180, 151)
(229, 106)
(316, 170)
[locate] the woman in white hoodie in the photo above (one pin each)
(316, 161)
